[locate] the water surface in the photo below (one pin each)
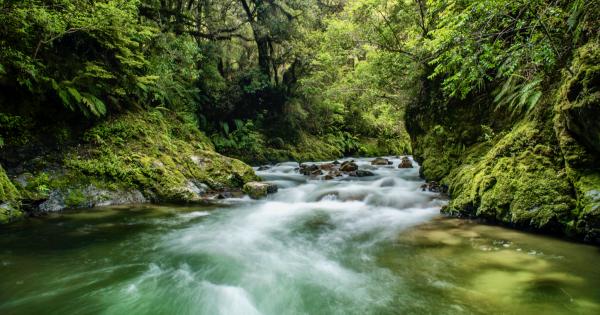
(373, 245)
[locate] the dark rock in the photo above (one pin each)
(363, 173)
(264, 167)
(434, 186)
(328, 177)
(327, 166)
(381, 161)
(405, 163)
(225, 195)
(316, 173)
(348, 167)
(336, 162)
(308, 169)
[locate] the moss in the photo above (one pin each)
(371, 147)
(438, 152)
(575, 124)
(8, 191)
(161, 154)
(313, 148)
(75, 198)
(158, 152)
(579, 103)
(517, 181)
(9, 199)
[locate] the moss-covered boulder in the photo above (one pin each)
(518, 181)
(146, 156)
(579, 102)
(9, 199)
(257, 190)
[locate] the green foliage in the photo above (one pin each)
(88, 56)
(243, 140)
(510, 43)
(173, 69)
(518, 95)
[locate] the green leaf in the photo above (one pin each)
(75, 94)
(225, 126)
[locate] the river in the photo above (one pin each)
(371, 245)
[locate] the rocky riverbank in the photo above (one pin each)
(154, 156)
(538, 171)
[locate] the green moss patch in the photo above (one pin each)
(151, 155)
(518, 181)
(9, 199)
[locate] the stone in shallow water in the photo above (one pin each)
(348, 167)
(258, 190)
(381, 161)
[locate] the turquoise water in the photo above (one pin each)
(371, 246)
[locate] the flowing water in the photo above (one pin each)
(374, 245)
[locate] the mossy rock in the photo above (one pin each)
(577, 109)
(518, 181)
(159, 154)
(580, 96)
(257, 190)
(9, 199)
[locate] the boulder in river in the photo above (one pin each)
(328, 177)
(258, 190)
(405, 163)
(363, 173)
(264, 167)
(381, 161)
(308, 169)
(316, 173)
(348, 167)
(327, 166)
(435, 187)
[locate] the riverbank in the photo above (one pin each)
(138, 157)
(534, 170)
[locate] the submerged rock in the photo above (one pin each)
(328, 177)
(264, 167)
(362, 173)
(257, 190)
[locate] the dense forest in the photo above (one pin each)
(147, 100)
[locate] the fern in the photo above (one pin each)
(517, 95)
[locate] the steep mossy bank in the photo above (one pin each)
(145, 156)
(538, 171)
